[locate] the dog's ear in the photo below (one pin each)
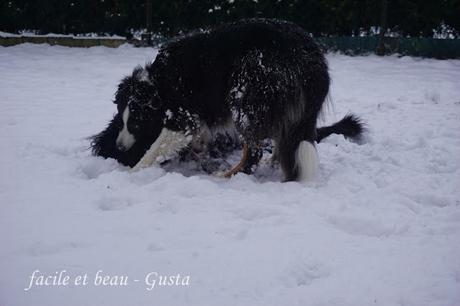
(145, 88)
(140, 88)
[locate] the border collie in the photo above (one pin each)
(254, 79)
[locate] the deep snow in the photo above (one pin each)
(379, 226)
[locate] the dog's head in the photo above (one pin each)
(139, 110)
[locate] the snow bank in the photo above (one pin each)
(379, 226)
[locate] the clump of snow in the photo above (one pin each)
(379, 226)
(169, 114)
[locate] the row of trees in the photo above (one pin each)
(320, 17)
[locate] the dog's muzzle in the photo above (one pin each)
(121, 147)
(125, 141)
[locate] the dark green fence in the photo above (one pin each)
(422, 47)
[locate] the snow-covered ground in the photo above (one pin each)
(379, 226)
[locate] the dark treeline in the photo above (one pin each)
(413, 18)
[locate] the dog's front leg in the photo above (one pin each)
(165, 147)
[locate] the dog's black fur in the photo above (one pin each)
(266, 77)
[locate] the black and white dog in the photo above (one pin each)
(254, 79)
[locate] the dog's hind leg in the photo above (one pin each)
(297, 155)
(254, 156)
(168, 144)
(250, 159)
(240, 165)
(306, 161)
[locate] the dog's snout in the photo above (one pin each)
(121, 147)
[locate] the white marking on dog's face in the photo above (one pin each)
(125, 139)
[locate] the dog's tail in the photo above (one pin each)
(350, 126)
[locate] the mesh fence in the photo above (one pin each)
(422, 47)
